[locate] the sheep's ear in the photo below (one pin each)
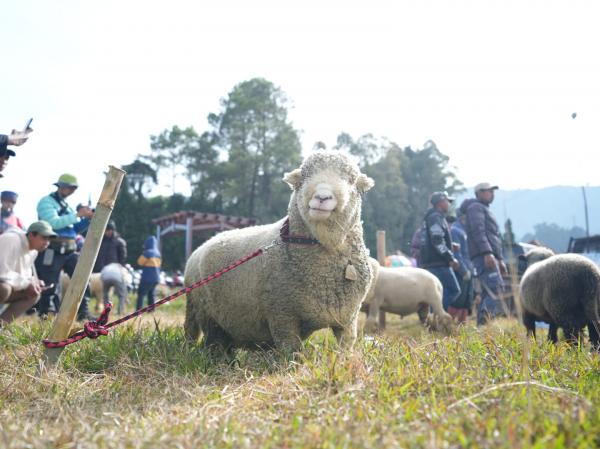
(293, 178)
(364, 183)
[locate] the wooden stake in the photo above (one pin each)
(381, 260)
(70, 303)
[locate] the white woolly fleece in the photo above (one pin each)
(282, 296)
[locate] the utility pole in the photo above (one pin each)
(585, 208)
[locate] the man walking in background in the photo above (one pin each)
(436, 247)
(485, 250)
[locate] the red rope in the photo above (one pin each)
(94, 329)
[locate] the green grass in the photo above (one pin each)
(143, 387)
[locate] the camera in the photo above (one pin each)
(79, 206)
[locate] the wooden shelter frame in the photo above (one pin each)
(192, 221)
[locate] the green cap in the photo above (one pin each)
(41, 227)
(66, 180)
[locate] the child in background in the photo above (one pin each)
(150, 261)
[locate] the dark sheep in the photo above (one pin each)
(564, 291)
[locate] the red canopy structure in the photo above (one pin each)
(191, 221)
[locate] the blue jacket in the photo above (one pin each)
(150, 261)
(459, 235)
(61, 217)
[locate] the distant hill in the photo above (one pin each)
(561, 205)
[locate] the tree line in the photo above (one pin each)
(235, 167)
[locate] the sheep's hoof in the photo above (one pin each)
(371, 326)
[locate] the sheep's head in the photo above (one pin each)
(327, 195)
(443, 323)
(536, 255)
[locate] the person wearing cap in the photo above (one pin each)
(8, 218)
(113, 249)
(485, 250)
(15, 138)
(20, 288)
(62, 252)
(436, 247)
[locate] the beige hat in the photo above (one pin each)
(484, 186)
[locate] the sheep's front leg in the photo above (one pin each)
(346, 336)
(285, 332)
(553, 333)
(529, 322)
(593, 327)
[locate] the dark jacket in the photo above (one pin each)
(436, 247)
(482, 229)
(112, 249)
(150, 261)
(459, 235)
(3, 144)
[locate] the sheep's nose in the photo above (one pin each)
(323, 197)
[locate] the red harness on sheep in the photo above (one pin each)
(94, 329)
(284, 233)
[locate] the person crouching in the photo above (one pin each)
(19, 286)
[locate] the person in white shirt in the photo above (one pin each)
(20, 287)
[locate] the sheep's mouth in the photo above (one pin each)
(321, 209)
(317, 212)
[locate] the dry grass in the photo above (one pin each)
(143, 387)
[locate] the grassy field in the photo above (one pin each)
(143, 387)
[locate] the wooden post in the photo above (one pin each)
(381, 260)
(70, 303)
(189, 235)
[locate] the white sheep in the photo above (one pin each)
(291, 290)
(95, 288)
(564, 291)
(404, 291)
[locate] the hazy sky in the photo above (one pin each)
(492, 83)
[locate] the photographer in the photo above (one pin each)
(62, 252)
(15, 138)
